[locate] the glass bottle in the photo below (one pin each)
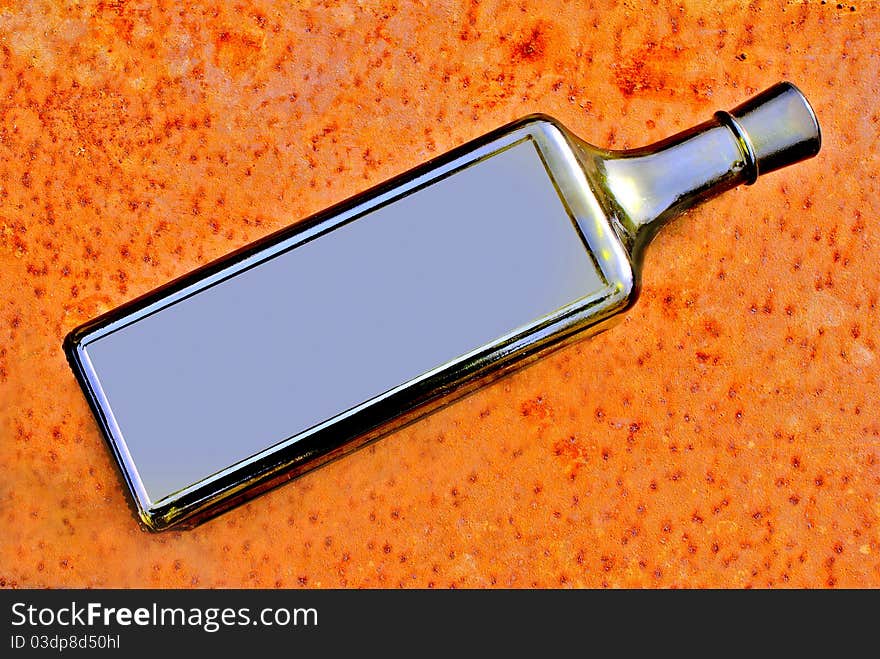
(327, 334)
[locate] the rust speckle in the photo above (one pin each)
(532, 48)
(536, 407)
(238, 52)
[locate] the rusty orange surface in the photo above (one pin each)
(726, 434)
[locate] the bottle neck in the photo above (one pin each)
(649, 186)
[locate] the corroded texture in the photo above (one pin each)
(725, 434)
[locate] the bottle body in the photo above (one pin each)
(353, 322)
(326, 335)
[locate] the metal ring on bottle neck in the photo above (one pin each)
(745, 144)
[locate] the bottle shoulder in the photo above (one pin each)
(573, 165)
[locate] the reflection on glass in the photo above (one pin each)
(314, 331)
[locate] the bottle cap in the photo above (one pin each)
(776, 128)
